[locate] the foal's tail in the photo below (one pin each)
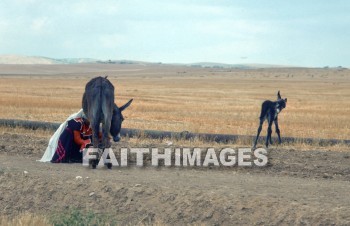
(263, 112)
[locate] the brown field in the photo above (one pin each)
(177, 98)
(295, 188)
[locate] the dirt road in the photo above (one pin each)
(298, 187)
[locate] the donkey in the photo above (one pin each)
(270, 111)
(99, 107)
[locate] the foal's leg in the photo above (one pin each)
(278, 130)
(269, 131)
(259, 130)
(271, 136)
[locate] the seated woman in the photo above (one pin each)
(75, 137)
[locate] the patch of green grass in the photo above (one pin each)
(74, 217)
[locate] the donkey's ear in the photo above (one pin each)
(122, 108)
(285, 100)
(278, 95)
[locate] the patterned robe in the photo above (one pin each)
(67, 150)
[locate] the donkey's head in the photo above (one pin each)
(117, 119)
(281, 103)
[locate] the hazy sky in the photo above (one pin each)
(295, 32)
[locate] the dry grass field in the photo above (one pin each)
(177, 98)
(295, 188)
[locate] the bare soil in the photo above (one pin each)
(297, 187)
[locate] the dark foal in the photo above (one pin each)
(270, 111)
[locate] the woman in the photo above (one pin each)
(75, 137)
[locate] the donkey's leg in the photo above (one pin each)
(93, 100)
(269, 131)
(107, 105)
(94, 117)
(278, 131)
(259, 130)
(95, 126)
(106, 126)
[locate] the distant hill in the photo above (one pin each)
(76, 60)
(237, 66)
(18, 59)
